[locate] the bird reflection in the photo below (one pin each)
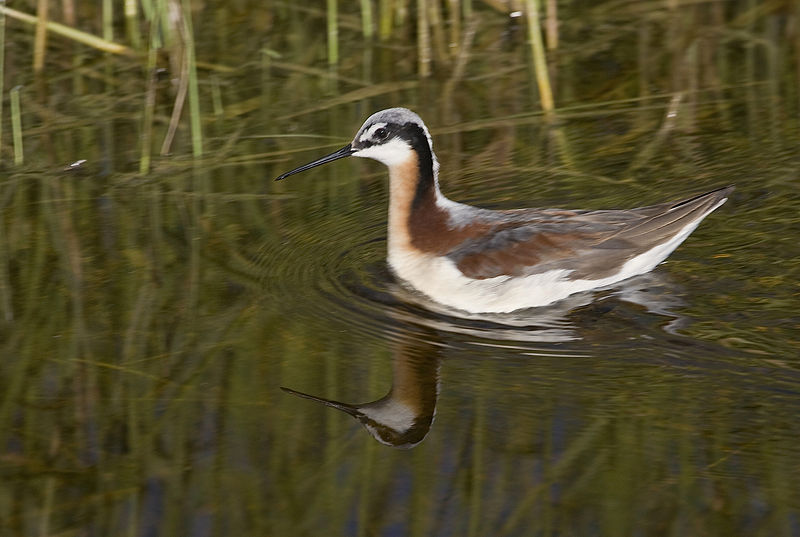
(403, 417)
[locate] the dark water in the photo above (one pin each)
(149, 320)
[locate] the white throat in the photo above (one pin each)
(392, 153)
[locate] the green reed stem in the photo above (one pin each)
(333, 32)
(40, 36)
(6, 307)
(131, 10)
(109, 140)
(797, 54)
(71, 33)
(437, 26)
(2, 73)
(455, 24)
(108, 20)
(149, 111)
(68, 11)
(366, 18)
(423, 39)
(16, 126)
(467, 8)
(385, 23)
(551, 24)
(750, 65)
(772, 48)
(194, 94)
(537, 52)
(148, 10)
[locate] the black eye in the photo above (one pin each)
(381, 134)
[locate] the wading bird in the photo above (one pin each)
(485, 261)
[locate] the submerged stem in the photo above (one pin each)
(537, 52)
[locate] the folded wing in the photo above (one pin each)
(595, 243)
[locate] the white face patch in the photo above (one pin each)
(395, 151)
(370, 131)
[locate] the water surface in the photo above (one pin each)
(149, 320)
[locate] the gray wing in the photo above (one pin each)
(591, 244)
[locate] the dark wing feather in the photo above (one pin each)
(591, 244)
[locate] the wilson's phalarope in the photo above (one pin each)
(483, 261)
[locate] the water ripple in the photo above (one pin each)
(335, 274)
(323, 271)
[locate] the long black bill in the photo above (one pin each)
(344, 407)
(346, 151)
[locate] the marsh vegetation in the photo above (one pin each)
(157, 288)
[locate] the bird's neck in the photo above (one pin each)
(414, 192)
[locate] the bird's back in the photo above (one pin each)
(591, 245)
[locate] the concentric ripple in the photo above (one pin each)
(340, 274)
(333, 268)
